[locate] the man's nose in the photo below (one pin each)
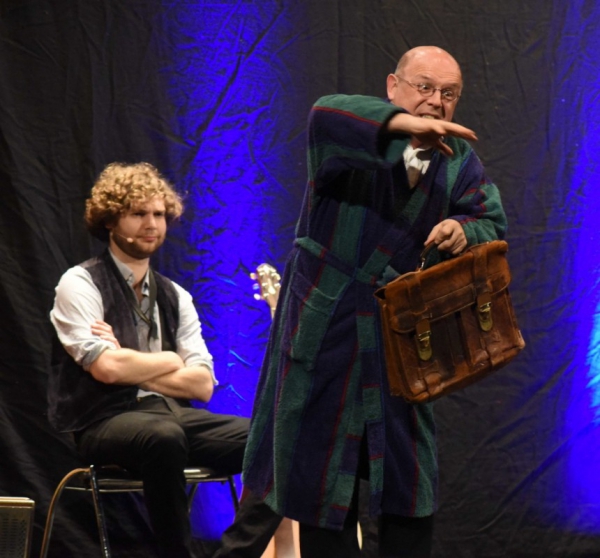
(150, 221)
(436, 98)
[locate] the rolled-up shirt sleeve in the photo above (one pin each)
(191, 346)
(77, 305)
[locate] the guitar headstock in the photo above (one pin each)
(267, 283)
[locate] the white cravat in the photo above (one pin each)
(416, 161)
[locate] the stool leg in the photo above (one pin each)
(52, 508)
(100, 519)
(191, 494)
(234, 495)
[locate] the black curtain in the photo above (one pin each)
(87, 82)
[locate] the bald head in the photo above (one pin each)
(427, 55)
(436, 70)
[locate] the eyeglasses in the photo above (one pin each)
(427, 90)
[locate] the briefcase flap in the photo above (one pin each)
(450, 325)
(480, 273)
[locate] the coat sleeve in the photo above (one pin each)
(475, 201)
(347, 132)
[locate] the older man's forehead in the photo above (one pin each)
(448, 80)
(445, 72)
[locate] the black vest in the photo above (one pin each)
(75, 398)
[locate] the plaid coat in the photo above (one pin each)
(323, 384)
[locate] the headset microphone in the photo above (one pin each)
(127, 238)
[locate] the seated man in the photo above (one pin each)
(135, 356)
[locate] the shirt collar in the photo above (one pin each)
(127, 274)
(420, 155)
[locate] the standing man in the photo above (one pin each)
(135, 356)
(385, 179)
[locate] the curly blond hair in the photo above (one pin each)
(122, 186)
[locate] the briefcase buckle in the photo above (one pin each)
(423, 339)
(484, 311)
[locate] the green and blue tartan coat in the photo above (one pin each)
(323, 384)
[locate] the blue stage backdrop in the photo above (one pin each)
(576, 120)
(216, 94)
(241, 168)
(236, 82)
(239, 159)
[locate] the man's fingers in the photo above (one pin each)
(414, 125)
(443, 148)
(449, 236)
(432, 132)
(460, 131)
(443, 128)
(99, 325)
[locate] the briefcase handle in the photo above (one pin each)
(424, 254)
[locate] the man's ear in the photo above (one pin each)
(112, 222)
(392, 84)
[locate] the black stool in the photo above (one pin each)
(99, 480)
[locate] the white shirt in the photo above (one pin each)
(78, 304)
(417, 158)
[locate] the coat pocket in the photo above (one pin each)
(309, 313)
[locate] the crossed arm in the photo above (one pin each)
(78, 316)
(163, 372)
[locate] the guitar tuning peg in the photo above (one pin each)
(257, 296)
(255, 286)
(253, 276)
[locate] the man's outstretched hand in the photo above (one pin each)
(429, 131)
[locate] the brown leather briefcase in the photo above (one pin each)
(450, 325)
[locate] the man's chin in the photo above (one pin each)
(144, 252)
(141, 252)
(137, 249)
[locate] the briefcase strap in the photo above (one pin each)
(420, 311)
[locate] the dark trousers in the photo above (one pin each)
(253, 527)
(157, 440)
(397, 536)
(255, 523)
